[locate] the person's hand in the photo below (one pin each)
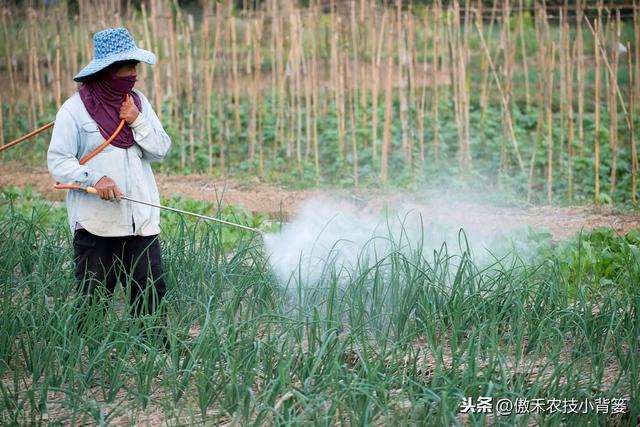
(108, 189)
(129, 112)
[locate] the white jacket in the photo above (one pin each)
(75, 134)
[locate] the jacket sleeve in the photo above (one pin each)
(64, 147)
(149, 133)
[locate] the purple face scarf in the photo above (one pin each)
(103, 97)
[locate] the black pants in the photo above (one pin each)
(135, 261)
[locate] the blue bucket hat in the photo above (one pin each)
(114, 45)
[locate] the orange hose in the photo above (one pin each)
(95, 152)
(27, 136)
(92, 154)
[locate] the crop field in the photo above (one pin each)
(400, 338)
(517, 96)
(356, 302)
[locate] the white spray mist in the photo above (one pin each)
(328, 232)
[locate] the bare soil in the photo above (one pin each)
(276, 201)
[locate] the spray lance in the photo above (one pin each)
(92, 190)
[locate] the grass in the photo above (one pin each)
(401, 342)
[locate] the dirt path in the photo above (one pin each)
(256, 197)
(273, 200)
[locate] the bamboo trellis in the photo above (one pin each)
(268, 78)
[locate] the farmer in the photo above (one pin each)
(113, 238)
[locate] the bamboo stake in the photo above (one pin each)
(190, 109)
(260, 144)
(216, 44)
(354, 146)
(299, 88)
(613, 114)
(435, 104)
(483, 63)
(463, 54)
(308, 101)
(256, 98)
(550, 126)
(580, 75)
(274, 57)
(275, 87)
(596, 119)
(221, 132)
(412, 87)
(280, 81)
(335, 73)
(402, 83)
(248, 36)
(607, 42)
(355, 48)
(507, 80)
(422, 106)
(258, 68)
(207, 77)
(570, 122)
(297, 48)
(253, 101)
(339, 99)
(57, 77)
(388, 113)
(315, 99)
(634, 154)
(201, 70)
(636, 37)
(523, 48)
(378, 38)
(290, 128)
(207, 118)
(306, 77)
(234, 66)
(364, 104)
(30, 71)
(563, 53)
(453, 15)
